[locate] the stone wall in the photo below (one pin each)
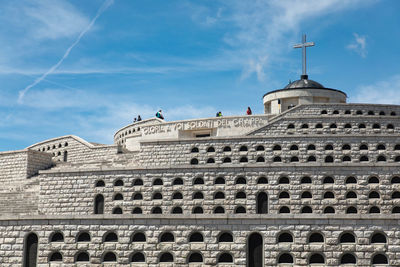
(13, 231)
(74, 192)
(77, 149)
(17, 166)
(265, 150)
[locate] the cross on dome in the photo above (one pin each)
(303, 46)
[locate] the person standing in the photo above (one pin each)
(159, 114)
(248, 111)
(139, 118)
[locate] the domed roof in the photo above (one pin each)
(304, 82)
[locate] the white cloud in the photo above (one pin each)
(266, 28)
(49, 19)
(359, 45)
(373, 93)
(104, 6)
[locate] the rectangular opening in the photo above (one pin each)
(203, 135)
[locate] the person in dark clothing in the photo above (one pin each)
(159, 114)
(219, 114)
(248, 111)
(139, 118)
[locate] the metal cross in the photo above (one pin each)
(303, 46)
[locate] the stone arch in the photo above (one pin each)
(198, 195)
(262, 203)
(166, 257)
(225, 257)
(83, 236)
(118, 182)
(285, 258)
(138, 237)
(255, 250)
(194, 257)
(137, 196)
(262, 180)
(260, 148)
(285, 237)
(219, 180)
(196, 237)
(31, 245)
(379, 258)
(99, 204)
(378, 237)
(137, 257)
(82, 256)
(283, 180)
(306, 209)
(109, 257)
(177, 210)
(137, 210)
(225, 237)
(316, 258)
(240, 209)
(117, 210)
(178, 181)
(347, 237)
(110, 237)
(284, 209)
(348, 258)
(329, 209)
(219, 209)
(240, 195)
(55, 256)
(243, 159)
(197, 210)
(351, 210)
(156, 210)
(351, 180)
(315, 237)
(167, 237)
(100, 183)
(56, 237)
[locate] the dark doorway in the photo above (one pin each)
(255, 250)
(31, 250)
(99, 204)
(262, 203)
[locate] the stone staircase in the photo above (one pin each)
(21, 199)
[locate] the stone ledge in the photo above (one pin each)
(255, 218)
(258, 137)
(242, 166)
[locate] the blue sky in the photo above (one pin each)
(88, 67)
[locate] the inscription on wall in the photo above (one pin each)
(238, 122)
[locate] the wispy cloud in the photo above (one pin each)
(372, 93)
(53, 19)
(103, 8)
(358, 45)
(265, 25)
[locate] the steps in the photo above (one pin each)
(20, 200)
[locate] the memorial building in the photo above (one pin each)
(314, 181)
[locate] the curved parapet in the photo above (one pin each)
(156, 129)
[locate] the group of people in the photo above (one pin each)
(137, 119)
(248, 112)
(161, 116)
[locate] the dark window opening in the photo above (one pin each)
(347, 238)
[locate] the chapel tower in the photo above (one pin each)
(303, 91)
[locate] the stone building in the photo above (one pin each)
(313, 181)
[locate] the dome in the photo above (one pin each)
(304, 82)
